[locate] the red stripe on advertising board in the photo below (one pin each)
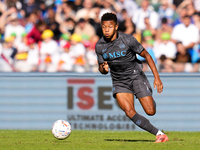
(80, 81)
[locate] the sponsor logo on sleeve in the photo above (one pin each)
(105, 56)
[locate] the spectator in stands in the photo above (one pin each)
(86, 12)
(129, 27)
(98, 3)
(166, 47)
(182, 55)
(64, 12)
(165, 11)
(196, 19)
(50, 3)
(197, 5)
(145, 12)
(37, 30)
(16, 42)
(190, 8)
(148, 45)
(176, 3)
(126, 25)
(13, 3)
(69, 9)
(0, 44)
(78, 52)
(185, 7)
(22, 47)
(48, 52)
(196, 67)
(33, 55)
(14, 27)
(147, 36)
(21, 56)
(8, 53)
(188, 34)
(148, 26)
(64, 39)
(164, 28)
(68, 26)
(85, 39)
(43, 10)
(78, 4)
(109, 6)
(182, 14)
(32, 20)
(91, 55)
(2, 7)
(30, 6)
(129, 5)
(82, 17)
(52, 24)
(66, 62)
(83, 27)
(179, 20)
(95, 22)
(166, 64)
(121, 20)
(122, 17)
(27, 61)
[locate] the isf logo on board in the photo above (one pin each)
(85, 94)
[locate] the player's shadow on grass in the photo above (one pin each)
(126, 140)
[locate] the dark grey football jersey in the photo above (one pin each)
(120, 55)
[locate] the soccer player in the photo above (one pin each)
(117, 52)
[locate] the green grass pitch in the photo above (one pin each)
(96, 140)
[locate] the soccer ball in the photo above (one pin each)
(61, 129)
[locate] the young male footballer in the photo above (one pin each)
(116, 53)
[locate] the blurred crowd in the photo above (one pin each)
(60, 35)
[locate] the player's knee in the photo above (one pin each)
(130, 113)
(151, 112)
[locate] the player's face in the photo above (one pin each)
(109, 29)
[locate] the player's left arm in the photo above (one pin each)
(157, 80)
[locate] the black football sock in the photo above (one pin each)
(144, 123)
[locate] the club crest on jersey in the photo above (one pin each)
(105, 56)
(121, 45)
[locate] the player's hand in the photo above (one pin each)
(158, 83)
(105, 66)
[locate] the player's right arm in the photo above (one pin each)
(103, 68)
(103, 65)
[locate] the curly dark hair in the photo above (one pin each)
(109, 17)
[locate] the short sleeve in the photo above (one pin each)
(99, 55)
(195, 38)
(175, 34)
(134, 44)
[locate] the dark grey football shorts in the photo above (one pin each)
(139, 86)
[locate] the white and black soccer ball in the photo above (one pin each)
(61, 129)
